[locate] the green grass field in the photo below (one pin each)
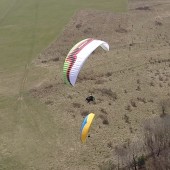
(28, 27)
(27, 131)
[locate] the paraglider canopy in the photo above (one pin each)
(86, 126)
(77, 56)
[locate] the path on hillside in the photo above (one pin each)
(32, 49)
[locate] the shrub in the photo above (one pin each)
(78, 26)
(49, 86)
(128, 107)
(73, 115)
(108, 74)
(84, 113)
(44, 61)
(104, 119)
(125, 91)
(131, 130)
(157, 135)
(49, 102)
(99, 81)
(160, 85)
(138, 81)
(133, 103)
(152, 83)
(76, 105)
(141, 99)
(152, 151)
(70, 97)
(158, 23)
(55, 59)
(107, 166)
(141, 161)
(164, 107)
(160, 78)
(109, 93)
(143, 8)
(103, 111)
(138, 88)
(126, 118)
(87, 30)
(121, 30)
(109, 144)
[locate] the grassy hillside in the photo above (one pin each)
(27, 130)
(26, 27)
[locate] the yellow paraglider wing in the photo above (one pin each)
(86, 126)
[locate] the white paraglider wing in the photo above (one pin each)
(78, 55)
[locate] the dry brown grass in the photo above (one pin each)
(136, 58)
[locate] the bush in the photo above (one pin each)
(109, 144)
(157, 142)
(133, 103)
(152, 151)
(126, 118)
(108, 74)
(99, 81)
(49, 102)
(76, 105)
(143, 8)
(108, 92)
(164, 107)
(78, 25)
(158, 23)
(69, 97)
(128, 107)
(138, 88)
(49, 86)
(107, 166)
(104, 119)
(157, 134)
(138, 81)
(152, 83)
(121, 30)
(84, 113)
(141, 99)
(55, 59)
(141, 161)
(103, 111)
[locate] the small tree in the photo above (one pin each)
(157, 141)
